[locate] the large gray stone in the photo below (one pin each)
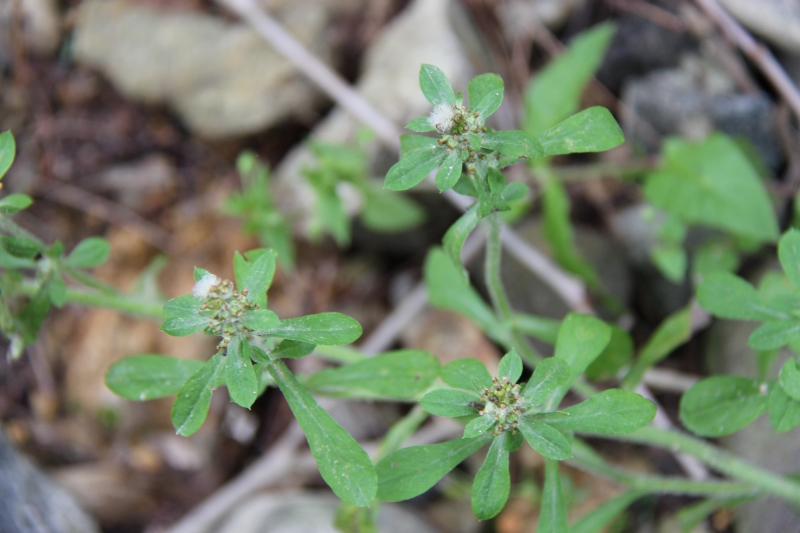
(32, 503)
(41, 27)
(776, 21)
(220, 77)
(694, 100)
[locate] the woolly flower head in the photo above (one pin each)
(204, 285)
(442, 117)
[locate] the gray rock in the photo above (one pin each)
(694, 100)
(521, 18)
(41, 27)
(727, 352)
(309, 512)
(639, 47)
(422, 33)
(528, 294)
(221, 78)
(776, 21)
(31, 503)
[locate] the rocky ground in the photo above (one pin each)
(128, 117)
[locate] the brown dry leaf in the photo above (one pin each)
(449, 336)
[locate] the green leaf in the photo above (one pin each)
(515, 191)
(611, 412)
(409, 472)
(591, 130)
(774, 334)
(191, 404)
(581, 339)
(712, 257)
(7, 151)
(89, 253)
(450, 170)
(389, 212)
(21, 247)
(485, 95)
(616, 355)
(557, 229)
(492, 482)
(289, 349)
(789, 379)
(789, 255)
(547, 377)
(14, 203)
(510, 366)
(712, 183)
(450, 403)
(344, 465)
(722, 405)
(398, 375)
(434, 85)
(259, 278)
(784, 411)
(454, 239)
(413, 143)
(553, 513)
(555, 92)
(727, 296)
(327, 329)
(147, 377)
(184, 316)
(57, 291)
(240, 376)
(200, 273)
(421, 125)
(478, 426)
(260, 319)
(545, 439)
(675, 330)
(449, 289)
(601, 516)
(240, 269)
(671, 260)
(414, 167)
(467, 374)
(544, 329)
(513, 143)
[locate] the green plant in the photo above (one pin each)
(340, 167)
(504, 412)
(256, 206)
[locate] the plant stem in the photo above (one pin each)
(499, 298)
(9, 226)
(117, 302)
(90, 281)
(716, 458)
(586, 459)
(400, 432)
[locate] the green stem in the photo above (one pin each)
(585, 458)
(717, 458)
(117, 302)
(492, 267)
(90, 281)
(400, 432)
(9, 226)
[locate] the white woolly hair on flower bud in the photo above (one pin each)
(204, 285)
(442, 117)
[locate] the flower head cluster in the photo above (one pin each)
(226, 305)
(503, 403)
